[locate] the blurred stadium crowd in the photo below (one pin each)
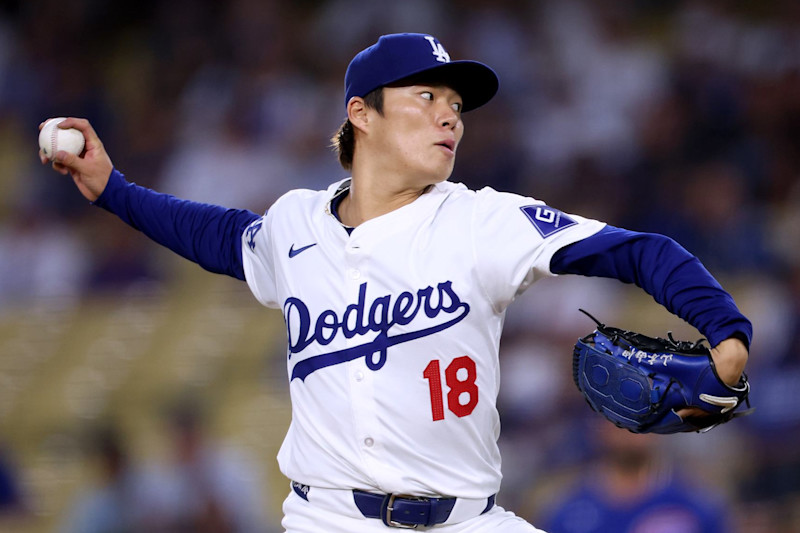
(678, 117)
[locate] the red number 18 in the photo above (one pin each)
(458, 387)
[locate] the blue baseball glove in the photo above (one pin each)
(640, 383)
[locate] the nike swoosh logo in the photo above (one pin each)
(293, 252)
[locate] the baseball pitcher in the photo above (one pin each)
(394, 284)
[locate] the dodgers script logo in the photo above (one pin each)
(361, 318)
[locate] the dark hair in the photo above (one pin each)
(344, 140)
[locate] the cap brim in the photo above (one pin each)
(475, 82)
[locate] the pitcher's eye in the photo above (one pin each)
(457, 107)
(427, 95)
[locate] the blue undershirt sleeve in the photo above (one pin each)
(209, 235)
(661, 267)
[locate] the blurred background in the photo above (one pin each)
(138, 392)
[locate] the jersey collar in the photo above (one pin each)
(332, 207)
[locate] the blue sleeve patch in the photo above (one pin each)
(547, 220)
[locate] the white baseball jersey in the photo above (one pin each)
(394, 330)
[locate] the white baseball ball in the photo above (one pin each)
(53, 139)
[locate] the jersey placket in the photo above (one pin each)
(360, 377)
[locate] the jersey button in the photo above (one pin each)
(359, 376)
(368, 442)
(355, 274)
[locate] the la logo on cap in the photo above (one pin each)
(438, 50)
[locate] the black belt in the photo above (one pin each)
(403, 511)
(400, 511)
(407, 511)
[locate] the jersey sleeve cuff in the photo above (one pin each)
(740, 330)
(116, 182)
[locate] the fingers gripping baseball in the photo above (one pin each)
(89, 170)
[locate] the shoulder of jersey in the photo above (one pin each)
(454, 190)
(486, 199)
(491, 193)
(489, 198)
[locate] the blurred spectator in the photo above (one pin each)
(714, 220)
(603, 76)
(41, 258)
(254, 172)
(124, 498)
(770, 482)
(631, 487)
(210, 488)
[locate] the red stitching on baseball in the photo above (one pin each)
(53, 140)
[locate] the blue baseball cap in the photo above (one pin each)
(402, 55)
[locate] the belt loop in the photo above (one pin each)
(433, 515)
(490, 503)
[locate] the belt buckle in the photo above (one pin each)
(400, 525)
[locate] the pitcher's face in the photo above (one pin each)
(419, 131)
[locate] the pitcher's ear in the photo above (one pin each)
(357, 112)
